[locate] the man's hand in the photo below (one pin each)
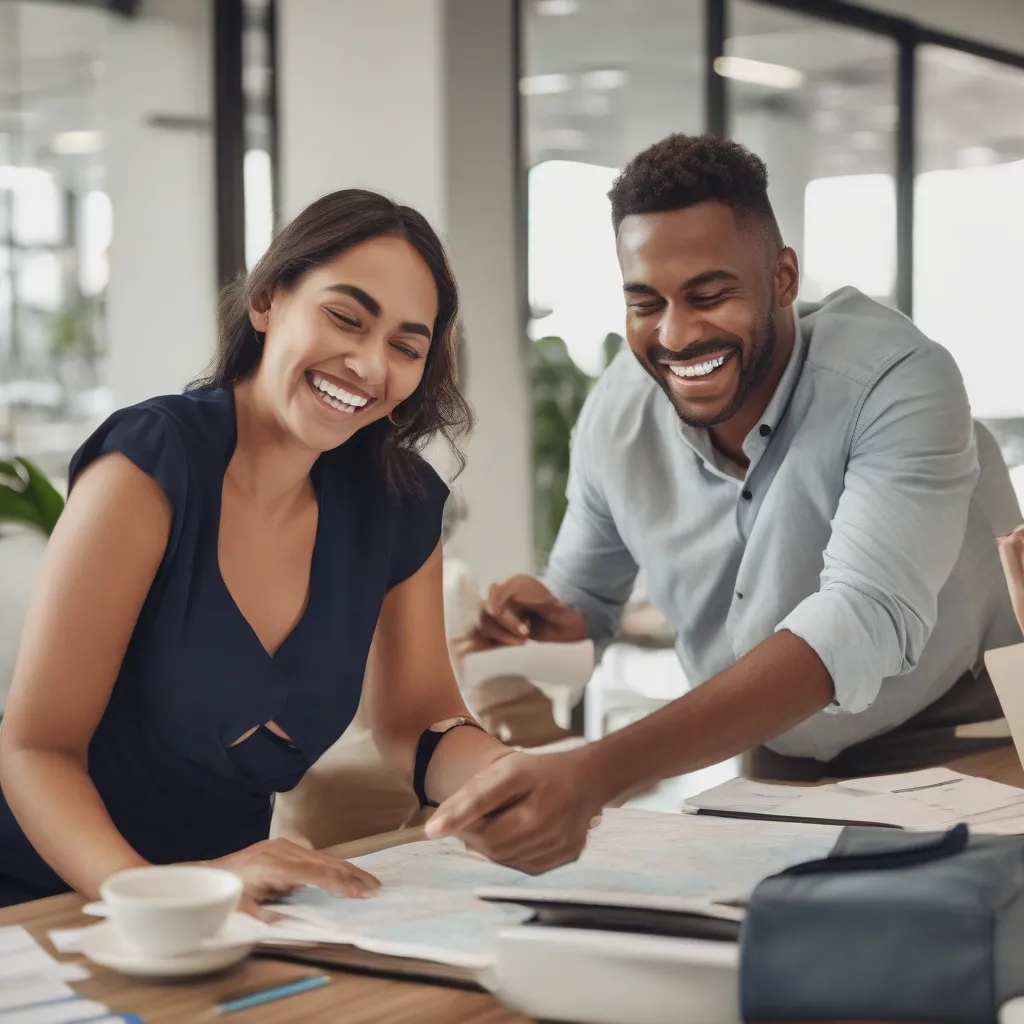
(522, 609)
(1011, 554)
(528, 811)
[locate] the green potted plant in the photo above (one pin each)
(558, 388)
(27, 496)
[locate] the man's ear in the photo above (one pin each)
(786, 277)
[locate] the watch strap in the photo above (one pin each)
(429, 739)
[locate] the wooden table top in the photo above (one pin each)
(354, 998)
(358, 999)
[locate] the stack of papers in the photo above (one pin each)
(429, 906)
(34, 986)
(929, 800)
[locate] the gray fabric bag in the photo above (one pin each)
(892, 925)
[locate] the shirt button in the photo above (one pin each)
(747, 495)
(739, 596)
(765, 430)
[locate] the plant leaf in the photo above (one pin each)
(16, 507)
(12, 475)
(43, 495)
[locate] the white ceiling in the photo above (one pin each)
(51, 63)
(847, 102)
(995, 22)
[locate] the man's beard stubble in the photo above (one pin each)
(753, 370)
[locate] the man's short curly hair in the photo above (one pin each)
(683, 170)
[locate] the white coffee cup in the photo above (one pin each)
(166, 911)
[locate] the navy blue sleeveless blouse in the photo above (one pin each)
(195, 677)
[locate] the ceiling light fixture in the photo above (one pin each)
(756, 72)
(605, 80)
(80, 143)
(557, 8)
(544, 85)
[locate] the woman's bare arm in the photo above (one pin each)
(96, 572)
(410, 685)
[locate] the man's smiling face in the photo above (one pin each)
(701, 301)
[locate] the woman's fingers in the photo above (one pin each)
(275, 867)
(332, 875)
(248, 904)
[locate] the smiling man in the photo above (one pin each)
(801, 486)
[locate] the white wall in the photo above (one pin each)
(414, 98)
(483, 157)
(361, 94)
(162, 291)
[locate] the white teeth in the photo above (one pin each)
(350, 399)
(698, 369)
(337, 397)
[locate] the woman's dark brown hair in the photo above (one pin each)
(316, 236)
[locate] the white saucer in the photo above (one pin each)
(102, 945)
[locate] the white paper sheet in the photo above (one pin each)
(33, 985)
(30, 989)
(21, 954)
(68, 940)
(427, 908)
(932, 799)
(70, 1011)
(34, 960)
(14, 938)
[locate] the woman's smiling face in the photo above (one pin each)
(348, 342)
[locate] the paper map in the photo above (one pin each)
(426, 906)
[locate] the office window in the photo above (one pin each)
(969, 221)
(601, 80)
(55, 227)
(817, 102)
(258, 127)
(968, 226)
(107, 215)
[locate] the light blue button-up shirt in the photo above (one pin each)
(859, 524)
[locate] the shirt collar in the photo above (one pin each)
(779, 401)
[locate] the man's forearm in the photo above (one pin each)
(777, 685)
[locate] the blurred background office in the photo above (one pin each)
(149, 149)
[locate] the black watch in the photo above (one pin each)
(429, 739)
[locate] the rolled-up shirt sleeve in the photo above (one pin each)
(590, 569)
(898, 529)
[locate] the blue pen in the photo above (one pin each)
(269, 995)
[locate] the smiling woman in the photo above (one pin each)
(393, 248)
(235, 566)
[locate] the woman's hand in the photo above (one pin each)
(275, 867)
(529, 811)
(1011, 554)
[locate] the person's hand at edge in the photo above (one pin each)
(520, 609)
